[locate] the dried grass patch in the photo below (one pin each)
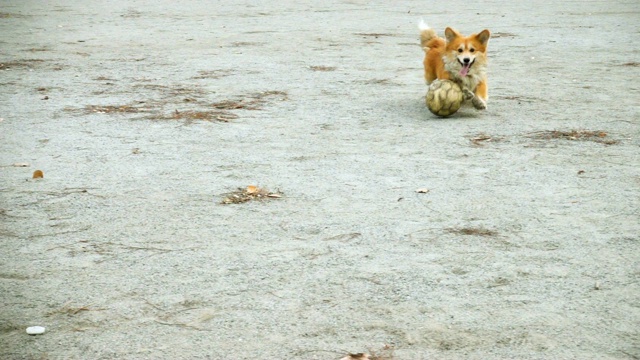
(245, 43)
(140, 107)
(251, 102)
(192, 115)
(213, 74)
(6, 15)
(374, 35)
(40, 49)
(111, 109)
(520, 98)
(173, 90)
(155, 109)
(322, 68)
(482, 139)
(377, 82)
(153, 112)
(250, 193)
(475, 231)
(386, 353)
(574, 135)
(69, 310)
(19, 63)
(497, 35)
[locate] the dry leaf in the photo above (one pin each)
(38, 174)
(21, 164)
(249, 193)
(422, 191)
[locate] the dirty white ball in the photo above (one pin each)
(444, 97)
(35, 330)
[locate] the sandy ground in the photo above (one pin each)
(523, 245)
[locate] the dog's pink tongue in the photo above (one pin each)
(465, 69)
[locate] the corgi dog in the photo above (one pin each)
(462, 59)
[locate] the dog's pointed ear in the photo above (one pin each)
(450, 34)
(483, 36)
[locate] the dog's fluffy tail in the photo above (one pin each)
(428, 37)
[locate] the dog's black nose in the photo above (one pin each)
(466, 60)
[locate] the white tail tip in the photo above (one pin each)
(423, 25)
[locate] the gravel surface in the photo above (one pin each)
(511, 233)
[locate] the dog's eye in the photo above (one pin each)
(459, 50)
(472, 50)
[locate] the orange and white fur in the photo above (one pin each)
(459, 58)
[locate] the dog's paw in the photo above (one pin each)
(478, 103)
(468, 94)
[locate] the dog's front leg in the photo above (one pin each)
(468, 94)
(476, 100)
(481, 95)
(478, 103)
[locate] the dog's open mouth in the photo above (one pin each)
(465, 67)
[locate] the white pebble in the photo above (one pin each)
(35, 330)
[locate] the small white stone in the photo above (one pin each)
(35, 330)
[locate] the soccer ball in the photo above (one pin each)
(444, 97)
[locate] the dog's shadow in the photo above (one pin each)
(415, 109)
